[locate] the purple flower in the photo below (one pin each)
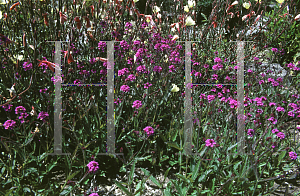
(23, 116)
(280, 109)
(280, 135)
(137, 104)
(93, 166)
(250, 132)
(128, 25)
(131, 77)
(210, 98)
(148, 130)
(256, 58)
(42, 115)
(210, 142)
(157, 69)
(94, 194)
(274, 49)
(20, 110)
(172, 68)
(9, 124)
(217, 60)
(101, 45)
(293, 155)
(125, 88)
(141, 69)
(275, 130)
(27, 66)
(7, 108)
(147, 85)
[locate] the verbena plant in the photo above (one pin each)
(155, 122)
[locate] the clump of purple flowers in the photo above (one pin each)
(137, 104)
(148, 130)
(27, 66)
(43, 115)
(210, 142)
(9, 124)
(93, 166)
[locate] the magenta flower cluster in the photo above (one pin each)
(93, 166)
(9, 124)
(43, 115)
(137, 104)
(210, 142)
(148, 130)
(22, 112)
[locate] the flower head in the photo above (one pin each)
(293, 155)
(280, 1)
(191, 3)
(175, 88)
(148, 130)
(186, 8)
(93, 166)
(42, 115)
(246, 5)
(210, 142)
(189, 21)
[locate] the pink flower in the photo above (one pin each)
(137, 104)
(93, 166)
(275, 130)
(280, 109)
(147, 85)
(272, 103)
(210, 142)
(148, 130)
(172, 68)
(131, 77)
(157, 69)
(9, 124)
(250, 132)
(210, 98)
(125, 88)
(293, 155)
(217, 60)
(280, 135)
(43, 115)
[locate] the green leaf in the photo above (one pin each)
(155, 181)
(132, 172)
(174, 145)
(146, 172)
(196, 170)
(125, 190)
(138, 189)
(281, 156)
(166, 173)
(72, 176)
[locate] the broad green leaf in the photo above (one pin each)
(125, 190)
(174, 145)
(132, 172)
(155, 181)
(281, 156)
(72, 176)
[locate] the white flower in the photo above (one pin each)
(246, 5)
(3, 1)
(258, 1)
(297, 17)
(280, 1)
(244, 17)
(173, 29)
(0, 14)
(186, 8)
(189, 21)
(191, 3)
(175, 88)
(175, 37)
(135, 1)
(156, 9)
(158, 15)
(235, 3)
